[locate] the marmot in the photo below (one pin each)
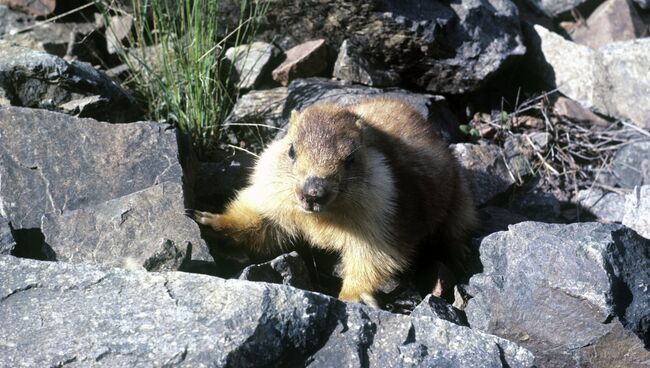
(370, 181)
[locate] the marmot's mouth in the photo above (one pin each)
(312, 207)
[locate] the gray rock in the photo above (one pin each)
(645, 4)
(11, 21)
(355, 68)
(33, 7)
(436, 307)
(439, 46)
(309, 91)
(613, 20)
(630, 167)
(485, 166)
(144, 229)
(7, 242)
(51, 162)
(216, 182)
(637, 211)
(566, 292)
(36, 79)
(537, 205)
(569, 109)
(251, 62)
(72, 41)
(554, 7)
(612, 80)
(259, 107)
(308, 59)
(287, 269)
(118, 30)
(53, 313)
(606, 206)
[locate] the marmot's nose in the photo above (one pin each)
(314, 190)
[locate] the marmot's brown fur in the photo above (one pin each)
(370, 181)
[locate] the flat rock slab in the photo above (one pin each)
(566, 292)
(630, 167)
(51, 162)
(310, 91)
(144, 229)
(613, 80)
(354, 67)
(58, 313)
(612, 21)
(37, 79)
(287, 269)
(308, 59)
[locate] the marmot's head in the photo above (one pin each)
(324, 148)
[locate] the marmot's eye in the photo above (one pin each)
(350, 159)
(292, 153)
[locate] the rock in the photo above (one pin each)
(38, 8)
(72, 41)
(612, 80)
(645, 4)
(287, 269)
(605, 206)
(554, 7)
(52, 313)
(485, 169)
(630, 167)
(569, 109)
(118, 31)
(86, 107)
(537, 205)
(441, 47)
(35, 79)
(309, 91)
(565, 292)
(7, 242)
(251, 62)
(308, 59)
(144, 229)
(12, 21)
(432, 306)
(259, 107)
(637, 211)
(52, 162)
(355, 68)
(613, 20)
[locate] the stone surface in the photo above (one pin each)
(436, 307)
(259, 107)
(309, 91)
(7, 242)
(308, 59)
(144, 229)
(51, 162)
(637, 210)
(613, 20)
(493, 219)
(569, 109)
(554, 7)
(72, 41)
(34, 7)
(36, 79)
(645, 4)
(117, 31)
(251, 62)
(80, 314)
(216, 182)
(630, 167)
(606, 206)
(287, 269)
(11, 21)
(613, 80)
(356, 68)
(485, 167)
(565, 292)
(439, 46)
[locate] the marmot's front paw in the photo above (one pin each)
(206, 218)
(365, 298)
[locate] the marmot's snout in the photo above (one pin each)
(315, 194)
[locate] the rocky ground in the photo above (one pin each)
(545, 103)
